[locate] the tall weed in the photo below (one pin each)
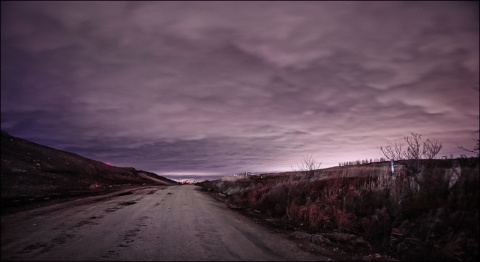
(432, 216)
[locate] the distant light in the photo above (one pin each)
(108, 163)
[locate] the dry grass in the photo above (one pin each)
(430, 216)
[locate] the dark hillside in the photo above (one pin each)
(31, 172)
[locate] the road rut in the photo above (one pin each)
(151, 223)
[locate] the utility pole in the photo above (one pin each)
(392, 166)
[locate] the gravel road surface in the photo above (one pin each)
(148, 223)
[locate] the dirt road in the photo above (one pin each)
(169, 223)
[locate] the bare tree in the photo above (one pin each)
(416, 150)
(431, 148)
(476, 148)
(308, 164)
(392, 151)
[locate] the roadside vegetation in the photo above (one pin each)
(428, 209)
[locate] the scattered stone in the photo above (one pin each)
(321, 240)
(340, 237)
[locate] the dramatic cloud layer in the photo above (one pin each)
(192, 88)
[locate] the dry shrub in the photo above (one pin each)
(450, 247)
(427, 217)
(344, 221)
(254, 195)
(314, 216)
(274, 200)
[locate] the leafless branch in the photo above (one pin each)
(307, 163)
(431, 148)
(392, 151)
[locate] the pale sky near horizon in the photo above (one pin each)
(216, 88)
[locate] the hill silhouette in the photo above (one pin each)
(33, 173)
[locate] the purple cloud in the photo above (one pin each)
(224, 87)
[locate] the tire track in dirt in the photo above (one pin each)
(176, 223)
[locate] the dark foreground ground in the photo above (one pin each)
(151, 224)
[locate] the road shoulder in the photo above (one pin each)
(313, 243)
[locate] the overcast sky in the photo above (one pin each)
(206, 88)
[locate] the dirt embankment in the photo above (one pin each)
(33, 173)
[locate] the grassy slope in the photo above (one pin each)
(432, 217)
(31, 172)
